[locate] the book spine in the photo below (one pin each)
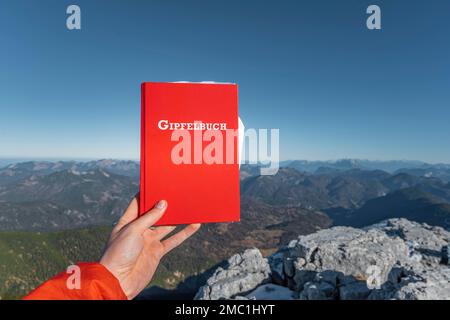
(237, 152)
(142, 190)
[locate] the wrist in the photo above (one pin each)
(108, 266)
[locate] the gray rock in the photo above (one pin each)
(318, 291)
(302, 276)
(288, 263)
(276, 263)
(356, 290)
(445, 255)
(427, 240)
(242, 298)
(349, 251)
(244, 273)
(428, 285)
(394, 259)
(331, 277)
(271, 292)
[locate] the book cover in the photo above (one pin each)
(190, 151)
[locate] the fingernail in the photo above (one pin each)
(161, 204)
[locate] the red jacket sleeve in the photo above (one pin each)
(95, 283)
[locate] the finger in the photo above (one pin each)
(151, 217)
(178, 238)
(161, 232)
(129, 215)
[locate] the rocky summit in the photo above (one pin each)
(395, 259)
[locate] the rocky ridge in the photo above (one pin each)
(394, 259)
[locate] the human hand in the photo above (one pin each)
(133, 251)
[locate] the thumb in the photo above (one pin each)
(151, 217)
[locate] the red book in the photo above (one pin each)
(182, 159)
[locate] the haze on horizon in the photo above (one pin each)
(11, 160)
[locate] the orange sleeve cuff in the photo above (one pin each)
(95, 283)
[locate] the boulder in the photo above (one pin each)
(357, 290)
(276, 263)
(271, 292)
(243, 273)
(318, 291)
(346, 250)
(445, 255)
(424, 240)
(394, 259)
(429, 285)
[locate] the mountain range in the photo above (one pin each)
(64, 199)
(346, 164)
(46, 196)
(42, 203)
(411, 203)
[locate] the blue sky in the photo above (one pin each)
(310, 68)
